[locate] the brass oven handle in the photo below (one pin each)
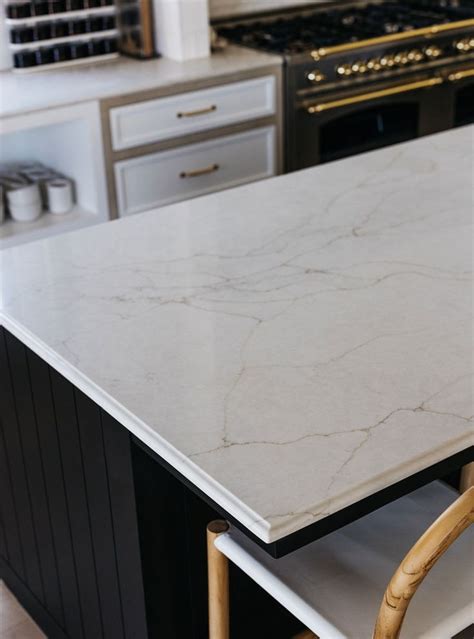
(192, 114)
(212, 168)
(392, 37)
(364, 97)
(461, 75)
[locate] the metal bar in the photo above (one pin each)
(192, 114)
(392, 37)
(197, 172)
(374, 95)
(461, 75)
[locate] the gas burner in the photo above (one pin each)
(322, 28)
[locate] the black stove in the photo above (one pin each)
(362, 75)
(295, 34)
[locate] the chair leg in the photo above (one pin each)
(467, 477)
(218, 583)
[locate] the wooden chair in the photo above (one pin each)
(334, 586)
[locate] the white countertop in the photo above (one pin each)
(22, 93)
(290, 346)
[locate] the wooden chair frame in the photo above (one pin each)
(419, 561)
(403, 585)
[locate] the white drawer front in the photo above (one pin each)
(165, 118)
(168, 176)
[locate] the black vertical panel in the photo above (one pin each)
(254, 612)
(95, 473)
(162, 530)
(35, 478)
(172, 526)
(3, 541)
(54, 478)
(14, 452)
(122, 498)
(12, 548)
(63, 396)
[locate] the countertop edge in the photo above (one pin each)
(181, 463)
(145, 434)
(179, 83)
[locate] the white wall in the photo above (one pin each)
(222, 8)
(181, 28)
(5, 54)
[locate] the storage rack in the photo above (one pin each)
(54, 33)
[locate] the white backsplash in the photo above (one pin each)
(222, 8)
(181, 28)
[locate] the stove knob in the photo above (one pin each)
(401, 59)
(344, 69)
(374, 64)
(464, 45)
(359, 67)
(433, 52)
(387, 61)
(415, 55)
(315, 76)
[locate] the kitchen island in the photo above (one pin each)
(290, 354)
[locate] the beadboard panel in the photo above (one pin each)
(68, 532)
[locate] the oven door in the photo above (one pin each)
(462, 92)
(334, 126)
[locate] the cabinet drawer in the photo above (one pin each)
(168, 176)
(169, 117)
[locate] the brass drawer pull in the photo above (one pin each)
(192, 114)
(461, 75)
(365, 97)
(197, 172)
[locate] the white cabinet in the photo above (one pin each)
(156, 179)
(65, 139)
(186, 113)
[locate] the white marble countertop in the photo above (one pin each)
(290, 346)
(23, 93)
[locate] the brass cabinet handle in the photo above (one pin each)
(461, 75)
(392, 37)
(364, 97)
(212, 168)
(192, 114)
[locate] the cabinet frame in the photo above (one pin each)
(111, 156)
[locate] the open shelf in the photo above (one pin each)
(68, 63)
(82, 37)
(49, 17)
(65, 140)
(13, 233)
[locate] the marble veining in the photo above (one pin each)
(290, 346)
